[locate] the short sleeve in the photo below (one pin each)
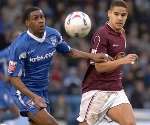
(16, 60)
(62, 46)
(99, 43)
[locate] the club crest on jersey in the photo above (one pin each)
(12, 66)
(53, 40)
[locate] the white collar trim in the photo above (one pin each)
(37, 38)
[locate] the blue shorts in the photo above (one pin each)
(6, 100)
(25, 104)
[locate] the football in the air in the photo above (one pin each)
(77, 24)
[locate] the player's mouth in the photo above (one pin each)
(42, 27)
(119, 24)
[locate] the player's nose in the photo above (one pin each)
(120, 18)
(41, 20)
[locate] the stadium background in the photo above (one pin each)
(67, 74)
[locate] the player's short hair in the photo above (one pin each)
(28, 11)
(119, 3)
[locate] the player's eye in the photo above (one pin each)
(35, 17)
(116, 14)
(124, 14)
(42, 17)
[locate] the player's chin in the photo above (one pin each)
(41, 30)
(119, 26)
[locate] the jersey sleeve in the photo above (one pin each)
(16, 60)
(62, 46)
(99, 43)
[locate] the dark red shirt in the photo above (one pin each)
(105, 40)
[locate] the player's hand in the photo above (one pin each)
(129, 59)
(101, 57)
(39, 102)
(119, 55)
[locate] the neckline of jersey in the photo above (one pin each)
(37, 38)
(112, 31)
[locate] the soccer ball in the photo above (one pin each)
(77, 24)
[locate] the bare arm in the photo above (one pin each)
(16, 81)
(112, 65)
(39, 101)
(79, 54)
(108, 66)
(100, 57)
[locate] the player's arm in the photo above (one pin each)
(4, 77)
(15, 68)
(112, 65)
(19, 85)
(100, 57)
(100, 44)
(64, 48)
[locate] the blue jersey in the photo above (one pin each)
(31, 57)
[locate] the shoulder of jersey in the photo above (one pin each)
(52, 31)
(101, 30)
(21, 40)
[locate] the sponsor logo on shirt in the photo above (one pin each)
(40, 58)
(115, 45)
(23, 55)
(31, 51)
(12, 66)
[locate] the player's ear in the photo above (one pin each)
(108, 13)
(27, 23)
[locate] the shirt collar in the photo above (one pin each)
(37, 38)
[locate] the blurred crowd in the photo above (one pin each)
(67, 74)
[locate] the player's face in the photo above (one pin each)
(117, 17)
(36, 22)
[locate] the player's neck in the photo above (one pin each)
(39, 35)
(116, 30)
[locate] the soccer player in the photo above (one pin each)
(30, 58)
(8, 109)
(103, 96)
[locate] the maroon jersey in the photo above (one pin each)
(108, 41)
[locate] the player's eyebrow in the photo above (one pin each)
(37, 15)
(120, 13)
(123, 13)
